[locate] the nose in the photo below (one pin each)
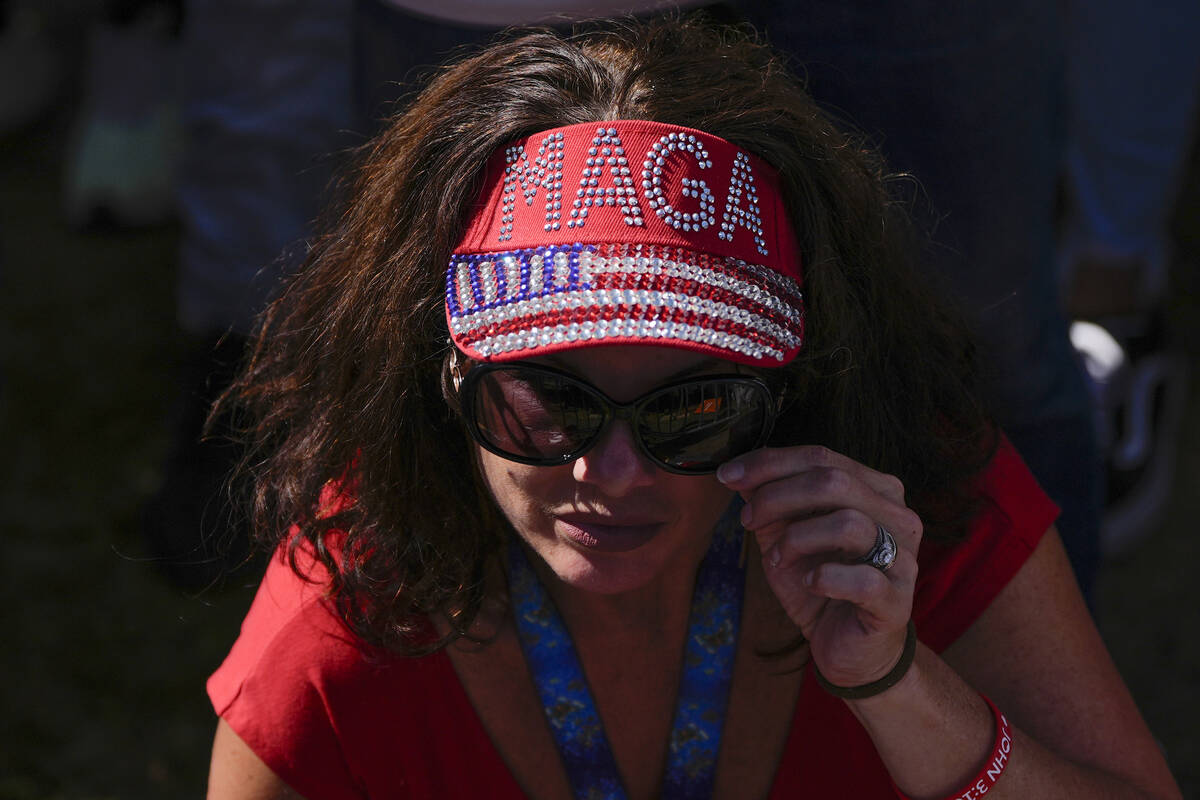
(615, 465)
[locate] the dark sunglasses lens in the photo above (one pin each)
(698, 426)
(534, 415)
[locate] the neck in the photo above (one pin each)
(650, 612)
(639, 656)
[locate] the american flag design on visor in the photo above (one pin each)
(627, 232)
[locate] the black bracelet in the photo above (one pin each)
(883, 684)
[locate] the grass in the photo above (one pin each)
(103, 681)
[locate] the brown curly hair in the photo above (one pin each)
(344, 379)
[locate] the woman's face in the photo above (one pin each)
(611, 521)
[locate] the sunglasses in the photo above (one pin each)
(541, 416)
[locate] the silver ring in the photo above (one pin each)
(883, 554)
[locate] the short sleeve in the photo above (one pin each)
(337, 718)
(272, 687)
(957, 582)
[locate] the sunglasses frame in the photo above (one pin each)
(611, 409)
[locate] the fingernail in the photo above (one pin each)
(727, 473)
(747, 515)
(775, 557)
(810, 578)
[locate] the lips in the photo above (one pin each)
(607, 535)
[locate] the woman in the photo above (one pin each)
(535, 545)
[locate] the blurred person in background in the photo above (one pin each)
(968, 100)
(266, 103)
(1130, 123)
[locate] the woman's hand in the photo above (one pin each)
(814, 513)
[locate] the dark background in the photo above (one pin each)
(102, 682)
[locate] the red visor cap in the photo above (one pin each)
(627, 232)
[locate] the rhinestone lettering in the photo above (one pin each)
(606, 152)
(652, 183)
(741, 182)
(545, 172)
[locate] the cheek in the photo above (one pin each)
(520, 491)
(700, 499)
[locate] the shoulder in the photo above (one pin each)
(311, 699)
(958, 581)
(289, 632)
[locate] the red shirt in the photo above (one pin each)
(336, 719)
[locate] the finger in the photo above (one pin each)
(749, 471)
(870, 590)
(822, 491)
(788, 562)
(846, 534)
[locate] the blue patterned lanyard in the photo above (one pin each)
(703, 691)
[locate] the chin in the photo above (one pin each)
(600, 573)
(593, 538)
(607, 572)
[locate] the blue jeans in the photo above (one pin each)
(266, 105)
(273, 92)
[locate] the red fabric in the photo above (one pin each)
(715, 162)
(335, 719)
(638, 196)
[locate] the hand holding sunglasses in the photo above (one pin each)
(814, 514)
